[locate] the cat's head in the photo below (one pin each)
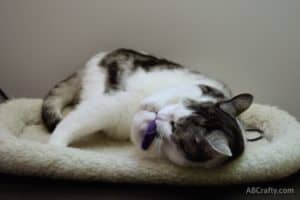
(193, 133)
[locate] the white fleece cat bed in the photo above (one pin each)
(23, 150)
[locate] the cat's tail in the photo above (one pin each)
(3, 96)
(64, 93)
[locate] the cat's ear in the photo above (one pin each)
(237, 104)
(218, 143)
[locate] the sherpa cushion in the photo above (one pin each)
(24, 150)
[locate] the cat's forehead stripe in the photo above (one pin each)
(210, 91)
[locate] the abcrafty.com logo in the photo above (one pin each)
(269, 190)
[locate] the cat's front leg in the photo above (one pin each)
(76, 124)
(89, 117)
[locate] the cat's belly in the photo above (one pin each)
(148, 83)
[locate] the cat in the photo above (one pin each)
(120, 92)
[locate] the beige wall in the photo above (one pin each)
(253, 45)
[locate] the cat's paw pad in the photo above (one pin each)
(151, 104)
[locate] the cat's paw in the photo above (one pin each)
(56, 141)
(140, 123)
(151, 104)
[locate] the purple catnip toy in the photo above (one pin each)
(149, 135)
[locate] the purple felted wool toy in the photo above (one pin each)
(149, 135)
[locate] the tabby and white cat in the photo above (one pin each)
(121, 91)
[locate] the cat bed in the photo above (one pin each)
(24, 151)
